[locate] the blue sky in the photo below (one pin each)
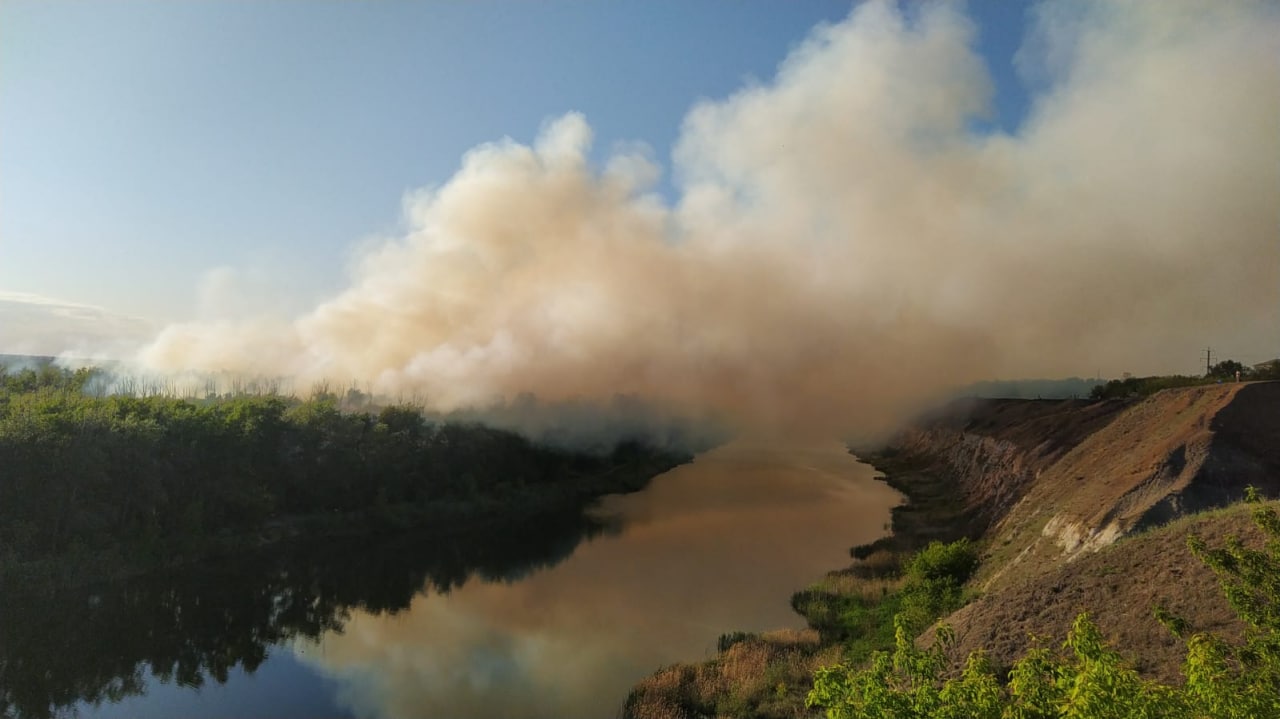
(143, 144)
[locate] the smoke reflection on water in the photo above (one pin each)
(710, 547)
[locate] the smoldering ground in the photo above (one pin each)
(844, 243)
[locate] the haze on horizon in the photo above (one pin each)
(836, 244)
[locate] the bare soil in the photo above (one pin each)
(1120, 587)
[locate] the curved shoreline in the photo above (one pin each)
(782, 661)
(446, 518)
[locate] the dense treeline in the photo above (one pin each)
(1224, 371)
(161, 474)
(1145, 386)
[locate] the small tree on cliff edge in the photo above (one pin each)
(1227, 369)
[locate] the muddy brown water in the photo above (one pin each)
(554, 620)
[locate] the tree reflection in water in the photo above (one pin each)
(61, 646)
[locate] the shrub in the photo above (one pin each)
(935, 577)
(862, 551)
(728, 640)
(954, 562)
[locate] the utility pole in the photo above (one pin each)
(1208, 360)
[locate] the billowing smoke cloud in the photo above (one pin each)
(845, 243)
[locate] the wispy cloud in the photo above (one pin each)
(38, 325)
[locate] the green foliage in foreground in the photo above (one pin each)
(1088, 680)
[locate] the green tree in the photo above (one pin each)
(1227, 369)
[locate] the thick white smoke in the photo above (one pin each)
(845, 244)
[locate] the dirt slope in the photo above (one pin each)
(996, 449)
(1095, 526)
(1057, 480)
(1119, 586)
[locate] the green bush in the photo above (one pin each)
(954, 562)
(933, 586)
(935, 580)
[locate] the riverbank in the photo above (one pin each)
(849, 613)
(573, 494)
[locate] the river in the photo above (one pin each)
(553, 619)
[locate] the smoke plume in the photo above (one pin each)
(844, 243)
